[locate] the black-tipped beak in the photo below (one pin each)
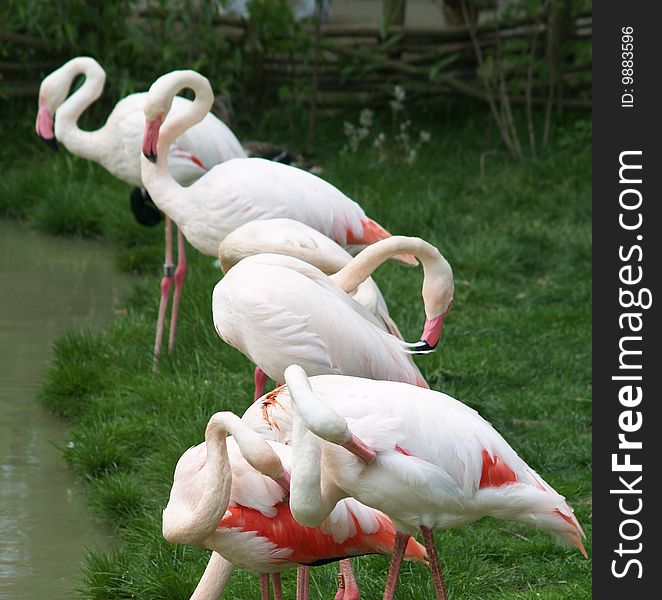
(150, 138)
(420, 347)
(51, 143)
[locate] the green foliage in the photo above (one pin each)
(516, 347)
(169, 35)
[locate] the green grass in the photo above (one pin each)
(516, 347)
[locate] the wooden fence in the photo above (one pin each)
(357, 65)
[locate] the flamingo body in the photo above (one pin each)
(278, 310)
(439, 463)
(248, 189)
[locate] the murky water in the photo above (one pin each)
(47, 284)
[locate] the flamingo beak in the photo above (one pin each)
(151, 138)
(357, 447)
(430, 337)
(45, 125)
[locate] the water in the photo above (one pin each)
(47, 284)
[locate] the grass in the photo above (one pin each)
(516, 347)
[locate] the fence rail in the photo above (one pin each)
(354, 64)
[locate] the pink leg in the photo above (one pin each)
(340, 594)
(399, 547)
(166, 284)
(278, 588)
(302, 583)
(260, 379)
(435, 567)
(180, 275)
(264, 586)
(347, 587)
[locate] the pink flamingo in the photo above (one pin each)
(420, 456)
(293, 238)
(278, 310)
(116, 147)
(230, 494)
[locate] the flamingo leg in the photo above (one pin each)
(264, 586)
(347, 586)
(166, 284)
(302, 583)
(180, 275)
(278, 587)
(399, 547)
(260, 379)
(435, 566)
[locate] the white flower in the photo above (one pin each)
(399, 93)
(411, 157)
(365, 118)
(425, 136)
(348, 128)
(396, 106)
(379, 140)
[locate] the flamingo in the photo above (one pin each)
(420, 456)
(116, 147)
(239, 190)
(293, 238)
(230, 494)
(278, 310)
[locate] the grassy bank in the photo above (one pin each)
(516, 347)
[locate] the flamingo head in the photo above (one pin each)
(157, 106)
(53, 92)
(151, 137)
(431, 332)
(45, 126)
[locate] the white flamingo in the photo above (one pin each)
(278, 310)
(230, 494)
(116, 147)
(420, 456)
(293, 238)
(240, 190)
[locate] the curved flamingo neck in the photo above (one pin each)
(158, 180)
(253, 447)
(214, 579)
(176, 125)
(183, 523)
(86, 144)
(186, 524)
(438, 277)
